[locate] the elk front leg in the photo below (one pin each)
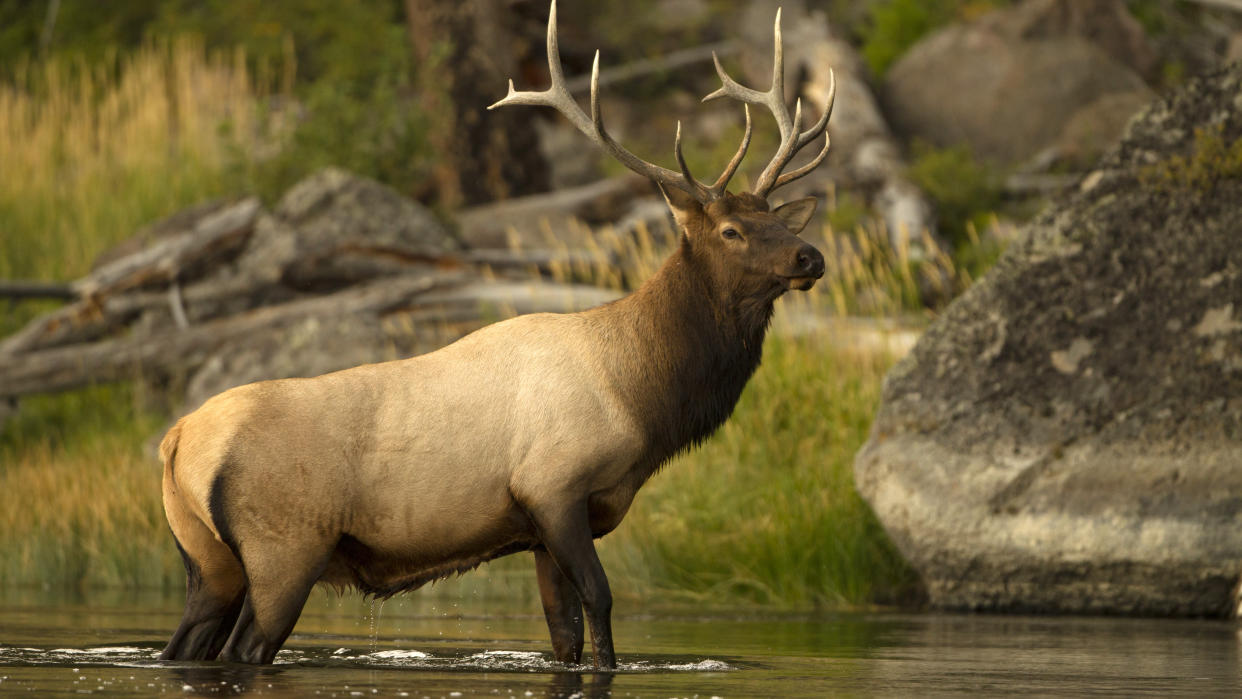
(563, 609)
(566, 535)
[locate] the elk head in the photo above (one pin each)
(743, 244)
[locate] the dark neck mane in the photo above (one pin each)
(684, 351)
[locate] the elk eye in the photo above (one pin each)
(731, 233)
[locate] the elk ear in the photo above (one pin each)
(684, 207)
(797, 213)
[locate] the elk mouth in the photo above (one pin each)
(800, 283)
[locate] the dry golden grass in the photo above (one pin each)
(93, 152)
(79, 501)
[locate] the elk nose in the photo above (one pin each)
(810, 261)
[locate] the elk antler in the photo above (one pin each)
(774, 99)
(557, 96)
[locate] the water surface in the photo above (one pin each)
(107, 645)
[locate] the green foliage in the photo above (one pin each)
(333, 41)
(80, 27)
(895, 25)
(340, 74)
(106, 150)
(1160, 18)
(81, 192)
(1211, 160)
(373, 128)
(965, 190)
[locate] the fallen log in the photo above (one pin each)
(536, 220)
(495, 299)
(90, 319)
(72, 366)
(437, 297)
(1027, 184)
(36, 290)
(647, 66)
(219, 232)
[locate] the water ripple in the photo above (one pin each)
(488, 660)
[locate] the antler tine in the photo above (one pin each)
(701, 192)
(558, 97)
(792, 140)
(727, 175)
(811, 134)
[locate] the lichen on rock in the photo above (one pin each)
(1066, 437)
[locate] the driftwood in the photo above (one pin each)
(530, 221)
(437, 297)
(36, 290)
(218, 233)
(1027, 184)
(88, 320)
(69, 367)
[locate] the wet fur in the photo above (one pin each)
(531, 434)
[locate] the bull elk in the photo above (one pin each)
(532, 434)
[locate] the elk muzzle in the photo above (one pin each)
(807, 268)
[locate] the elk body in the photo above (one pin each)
(532, 434)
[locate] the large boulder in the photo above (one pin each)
(1067, 437)
(1007, 84)
(329, 229)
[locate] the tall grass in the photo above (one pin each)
(93, 152)
(79, 501)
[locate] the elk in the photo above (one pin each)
(531, 434)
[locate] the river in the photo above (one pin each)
(107, 643)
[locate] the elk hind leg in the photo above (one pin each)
(215, 587)
(279, 583)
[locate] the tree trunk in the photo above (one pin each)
(463, 55)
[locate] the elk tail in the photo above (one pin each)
(168, 447)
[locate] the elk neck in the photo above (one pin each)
(681, 349)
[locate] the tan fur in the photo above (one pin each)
(427, 460)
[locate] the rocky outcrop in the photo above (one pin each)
(1007, 84)
(1066, 437)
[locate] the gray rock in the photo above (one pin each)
(1066, 437)
(324, 225)
(999, 85)
(1096, 127)
(1106, 23)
